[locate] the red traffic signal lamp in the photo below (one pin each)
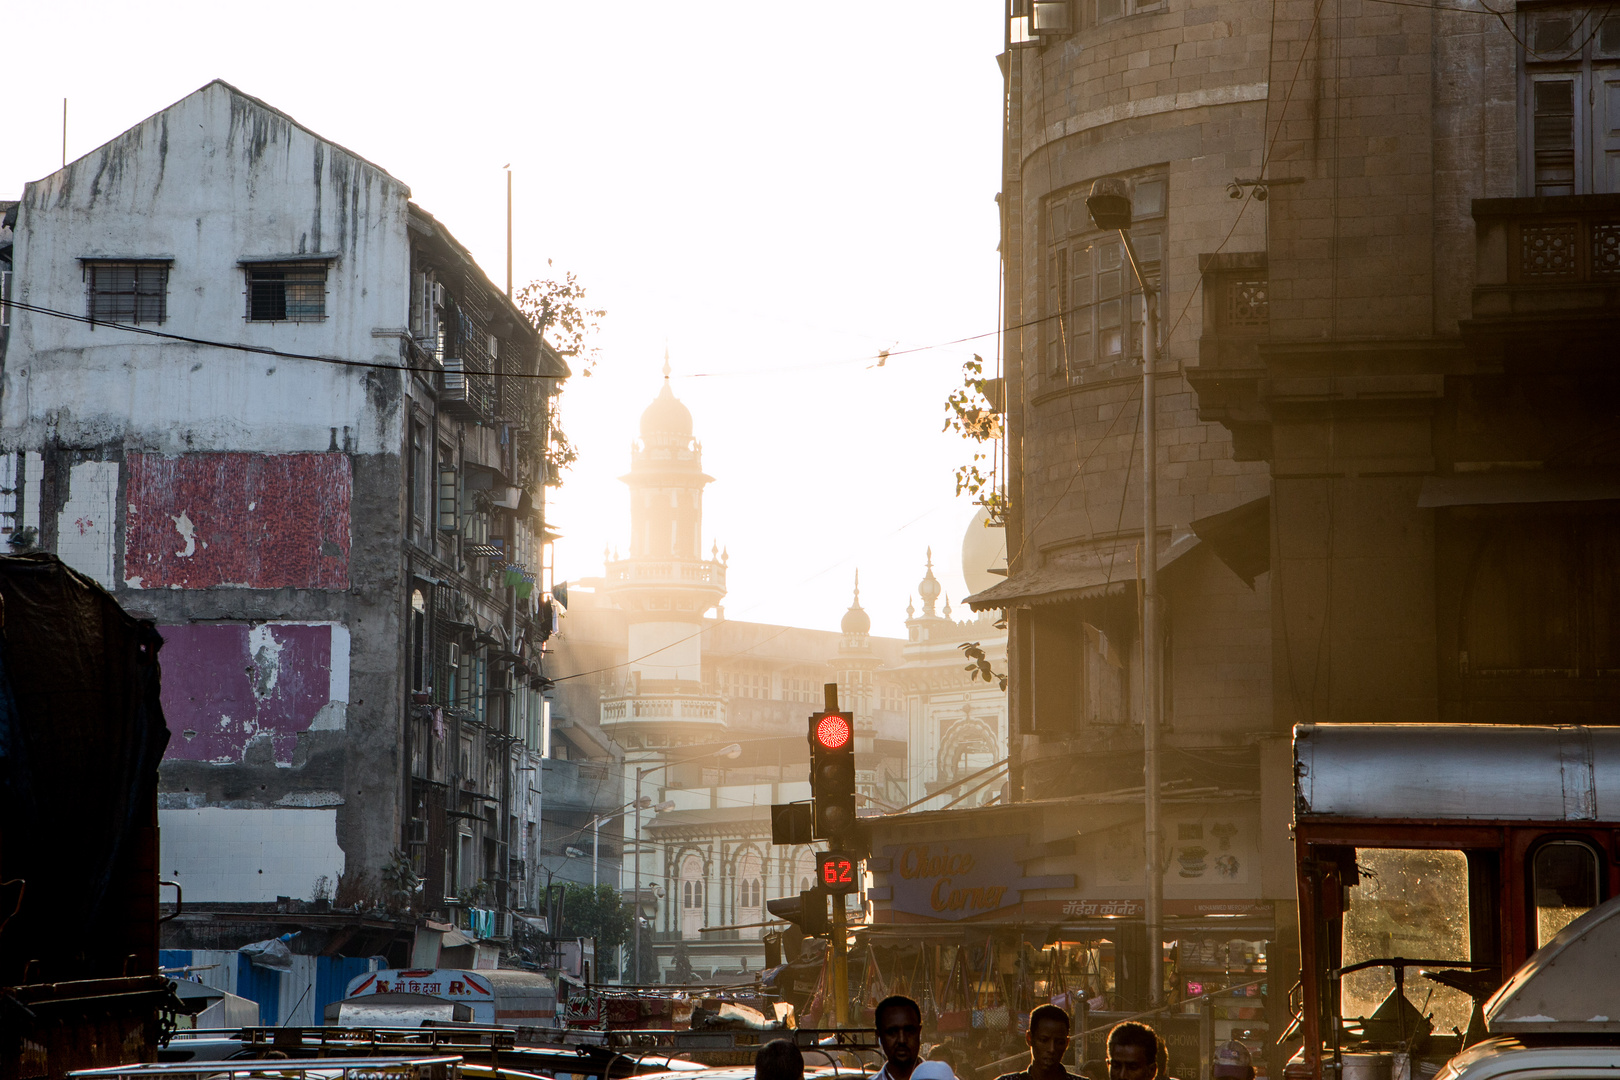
(838, 873)
(832, 772)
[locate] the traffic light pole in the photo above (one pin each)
(839, 945)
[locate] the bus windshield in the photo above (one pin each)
(1407, 903)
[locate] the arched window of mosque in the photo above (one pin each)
(692, 881)
(750, 888)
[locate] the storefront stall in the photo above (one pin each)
(999, 909)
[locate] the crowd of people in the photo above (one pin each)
(1135, 1051)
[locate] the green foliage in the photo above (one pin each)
(979, 665)
(594, 913)
(557, 309)
(970, 413)
(400, 883)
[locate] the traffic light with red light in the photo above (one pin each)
(832, 772)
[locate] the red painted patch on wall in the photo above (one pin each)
(255, 521)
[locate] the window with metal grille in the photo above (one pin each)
(128, 291)
(286, 292)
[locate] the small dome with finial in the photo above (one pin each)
(929, 588)
(666, 415)
(856, 620)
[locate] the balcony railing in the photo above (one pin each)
(710, 712)
(668, 572)
(1548, 257)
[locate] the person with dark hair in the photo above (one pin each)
(1133, 1052)
(898, 1020)
(779, 1059)
(1048, 1038)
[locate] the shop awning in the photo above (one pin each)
(1064, 582)
(1527, 486)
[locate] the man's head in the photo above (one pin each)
(898, 1020)
(1048, 1037)
(779, 1060)
(1133, 1052)
(1232, 1062)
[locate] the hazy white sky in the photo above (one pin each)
(776, 191)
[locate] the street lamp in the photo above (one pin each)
(1110, 207)
(643, 803)
(729, 753)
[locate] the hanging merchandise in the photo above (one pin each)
(990, 1001)
(873, 979)
(1057, 983)
(924, 977)
(954, 1014)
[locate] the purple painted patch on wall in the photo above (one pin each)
(227, 684)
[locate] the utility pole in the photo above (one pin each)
(1110, 207)
(1154, 913)
(508, 232)
(840, 927)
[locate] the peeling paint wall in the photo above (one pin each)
(235, 692)
(220, 492)
(86, 527)
(254, 521)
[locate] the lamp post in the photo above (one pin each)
(1110, 207)
(641, 803)
(730, 753)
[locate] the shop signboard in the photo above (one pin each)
(962, 879)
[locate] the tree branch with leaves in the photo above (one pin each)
(978, 666)
(970, 412)
(558, 311)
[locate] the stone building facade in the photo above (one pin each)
(1170, 96)
(274, 406)
(1387, 242)
(1431, 392)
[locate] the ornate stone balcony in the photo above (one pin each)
(667, 572)
(1549, 259)
(694, 711)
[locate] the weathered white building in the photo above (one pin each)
(275, 407)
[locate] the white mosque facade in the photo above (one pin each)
(710, 714)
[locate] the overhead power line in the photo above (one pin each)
(265, 350)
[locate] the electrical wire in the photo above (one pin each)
(265, 350)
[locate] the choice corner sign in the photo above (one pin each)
(962, 880)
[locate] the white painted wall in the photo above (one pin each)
(86, 528)
(666, 650)
(213, 179)
(222, 855)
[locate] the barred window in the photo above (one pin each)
(134, 291)
(1093, 310)
(286, 292)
